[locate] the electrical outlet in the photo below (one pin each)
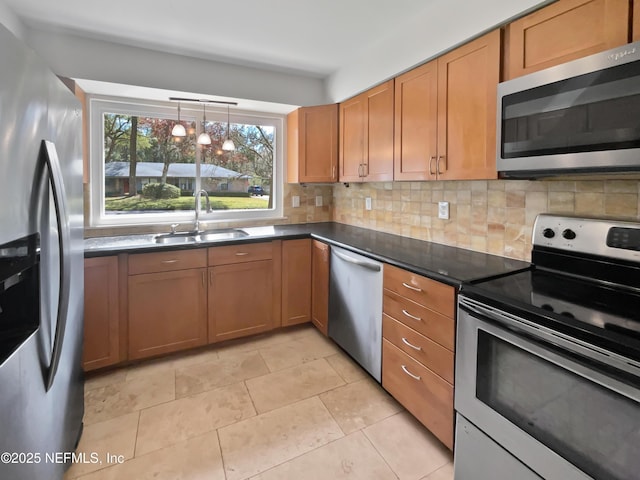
(318, 200)
(443, 210)
(295, 201)
(367, 203)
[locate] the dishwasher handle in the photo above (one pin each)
(369, 266)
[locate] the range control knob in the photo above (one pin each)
(548, 233)
(569, 234)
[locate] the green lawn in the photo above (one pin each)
(125, 204)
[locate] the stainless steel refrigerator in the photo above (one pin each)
(41, 267)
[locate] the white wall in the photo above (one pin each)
(405, 46)
(11, 22)
(81, 57)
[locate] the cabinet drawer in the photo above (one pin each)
(167, 261)
(427, 396)
(420, 348)
(242, 252)
(430, 293)
(431, 324)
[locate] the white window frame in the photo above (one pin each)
(99, 105)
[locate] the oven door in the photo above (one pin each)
(549, 400)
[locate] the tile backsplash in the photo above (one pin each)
(488, 216)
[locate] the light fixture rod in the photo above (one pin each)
(201, 100)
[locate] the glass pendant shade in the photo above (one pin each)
(228, 145)
(178, 129)
(204, 138)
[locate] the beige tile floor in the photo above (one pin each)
(289, 405)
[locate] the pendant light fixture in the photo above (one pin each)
(204, 138)
(178, 129)
(228, 145)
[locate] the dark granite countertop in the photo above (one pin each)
(447, 264)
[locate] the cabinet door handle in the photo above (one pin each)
(411, 316)
(333, 172)
(241, 254)
(204, 280)
(411, 287)
(365, 165)
(169, 261)
(431, 160)
(409, 344)
(211, 278)
(404, 369)
(441, 157)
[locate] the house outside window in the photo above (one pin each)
(140, 174)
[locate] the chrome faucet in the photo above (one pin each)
(196, 223)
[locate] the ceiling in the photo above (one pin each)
(312, 38)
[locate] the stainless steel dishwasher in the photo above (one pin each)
(355, 308)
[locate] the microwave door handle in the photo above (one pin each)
(48, 150)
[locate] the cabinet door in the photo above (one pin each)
(635, 24)
(240, 299)
(379, 133)
(416, 105)
(564, 31)
(167, 312)
(320, 286)
(353, 122)
(467, 94)
(316, 157)
(101, 313)
(296, 281)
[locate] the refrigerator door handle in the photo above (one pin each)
(48, 150)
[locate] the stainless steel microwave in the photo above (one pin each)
(577, 118)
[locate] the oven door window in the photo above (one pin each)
(592, 112)
(594, 428)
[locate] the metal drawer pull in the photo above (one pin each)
(411, 287)
(411, 316)
(408, 344)
(417, 377)
(241, 254)
(169, 261)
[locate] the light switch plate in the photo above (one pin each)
(295, 201)
(367, 203)
(443, 210)
(318, 200)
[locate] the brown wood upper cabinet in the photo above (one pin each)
(445, 115)
(312, 144)
(564, 31)
(101, 313)
(296, 281)
(635, 23)
(320, 286)
(366, 136)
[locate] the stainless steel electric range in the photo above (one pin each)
(548, 360)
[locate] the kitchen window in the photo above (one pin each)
(141, 174)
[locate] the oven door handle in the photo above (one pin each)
(551, 336)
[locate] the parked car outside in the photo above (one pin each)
(256, 190)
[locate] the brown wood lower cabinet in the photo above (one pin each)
(240, 299)
(427, 396)
(167, 309)
(296, 281)
(320, 286)
(101, 313)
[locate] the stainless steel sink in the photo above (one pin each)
(222, 235)
(192, 237)
(172, 238)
